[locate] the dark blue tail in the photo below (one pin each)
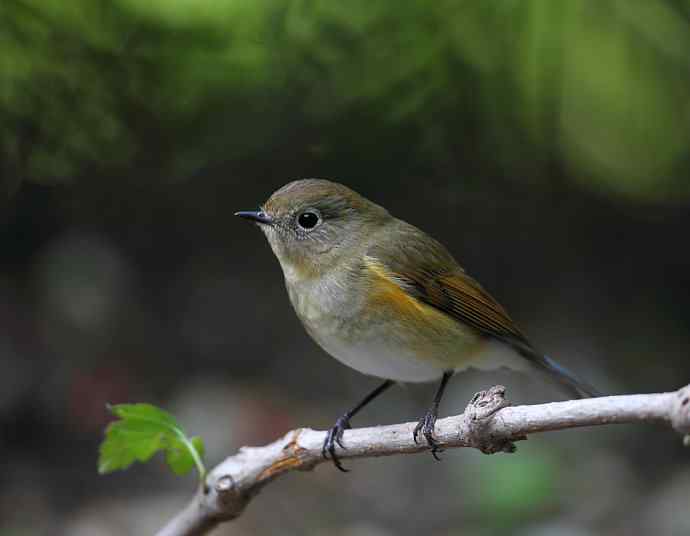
(572, 383)
(584, 389)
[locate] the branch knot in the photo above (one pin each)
(478, 415)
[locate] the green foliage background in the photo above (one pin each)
(603, 86)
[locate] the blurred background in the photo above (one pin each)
(546, 143)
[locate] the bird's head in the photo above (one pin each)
(314, 224)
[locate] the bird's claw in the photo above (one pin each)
(426, 427)
(333, 438)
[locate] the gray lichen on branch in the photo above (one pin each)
(488, 424)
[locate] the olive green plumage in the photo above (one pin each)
(368, 286)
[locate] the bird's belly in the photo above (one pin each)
(385, 348)
(386, 359)
(383, 344)
(377, 356)
(370, 346)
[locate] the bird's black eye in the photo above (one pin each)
(308, 220)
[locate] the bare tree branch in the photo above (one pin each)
(488, 424)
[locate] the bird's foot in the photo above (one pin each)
(426, 427)
(335, 436)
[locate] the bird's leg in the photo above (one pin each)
(427, 422)
(335, 434)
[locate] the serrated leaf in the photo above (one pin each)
(143, 430)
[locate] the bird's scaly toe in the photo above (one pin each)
(425, 426)
(333, 438)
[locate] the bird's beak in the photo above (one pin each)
(259, 216)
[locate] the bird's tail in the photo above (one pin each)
(573, 384)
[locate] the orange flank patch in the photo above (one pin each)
(387, 295)
(431, 333)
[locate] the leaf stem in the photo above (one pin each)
(195, 456)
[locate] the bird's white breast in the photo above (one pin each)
(336, 321)
(378, 355)
(341, 323)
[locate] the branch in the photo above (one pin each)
(488, 424)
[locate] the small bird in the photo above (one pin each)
(386, 299)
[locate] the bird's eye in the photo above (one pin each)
(308, 220)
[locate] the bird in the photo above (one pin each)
(388, 300)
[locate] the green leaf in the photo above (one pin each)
(199, 446)
(141, 431)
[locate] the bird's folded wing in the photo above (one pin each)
(424, 270)
(428, 273)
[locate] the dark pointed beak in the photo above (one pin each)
(259, 216)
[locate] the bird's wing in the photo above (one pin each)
(426, 271)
